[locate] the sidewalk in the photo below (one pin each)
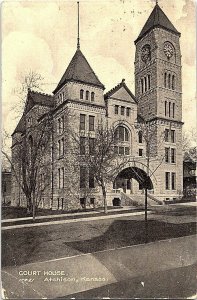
(69, 275)
(81, 218)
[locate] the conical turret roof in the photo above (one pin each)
(157, 19)
(79, 70)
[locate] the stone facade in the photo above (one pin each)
(79, 103)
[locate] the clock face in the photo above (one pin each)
(168, 49)
(145, 53)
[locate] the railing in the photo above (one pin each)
(154, 199)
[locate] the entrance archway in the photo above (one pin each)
(124, 180)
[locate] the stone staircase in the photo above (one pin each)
(138, 200)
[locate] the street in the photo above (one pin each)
(102, 257)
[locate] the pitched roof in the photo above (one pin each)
(117, 87)
(34, 98)
(20, 126)
(79, 70)
(157, 19)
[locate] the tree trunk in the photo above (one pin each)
(34, 208)
(29, 205)
(146, 216)
(104, 197)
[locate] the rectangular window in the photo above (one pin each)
(62, 123)
(173, 136)
(142, 86)
(82, 202)
(173, 109)
(121, 150)
(122, 110)
(145, 83)
(59, 148)
(82, 145)
(62, 202)
(173, 155)
(92, 201)
(167, 135)
(116, 149)
(82, 177)
(149, 82)
(140, 152)
(58, 203)
(91, 123)
(59, 179)
(62, 183)
(91, 146)
(58, 126)
(169, 109)
(165, 108)
(167, 154)
(82, 122)
(128, 111)
(62, 147)
(91, 179)
(116, 110)
(173, 181)
(126, 150)
(167, 180)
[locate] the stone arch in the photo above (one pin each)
(138, 165)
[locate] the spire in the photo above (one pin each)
(78, 43)
(157, 19)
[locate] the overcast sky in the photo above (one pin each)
(42, 36)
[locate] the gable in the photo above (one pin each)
(122, 94)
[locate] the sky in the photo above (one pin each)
(41, 36)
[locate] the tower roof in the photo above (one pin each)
(79, 70)
(157, 19)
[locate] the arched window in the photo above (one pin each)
(140, 137)
(169, 81)
(173, 82)
(92, 96)
(165, 80)
(169, 109)
(149, 81)
(81, 94)
(145, 84)
(142, 86)
(122, 134)
(87, 95)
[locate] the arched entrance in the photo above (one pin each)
(132, 180)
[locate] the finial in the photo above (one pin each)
(156, 2)
(78, 43)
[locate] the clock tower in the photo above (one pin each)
(159, 94)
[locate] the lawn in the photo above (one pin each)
(26, 245)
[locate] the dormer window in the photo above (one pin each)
(81, 94)
(92, 96)
(87, 95)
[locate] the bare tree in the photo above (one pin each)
(28, 161)
(96, 153)
(30, 80)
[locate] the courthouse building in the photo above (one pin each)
(157, 100)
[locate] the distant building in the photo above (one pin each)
(157, 100)
(6, 187)
(189, 178)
